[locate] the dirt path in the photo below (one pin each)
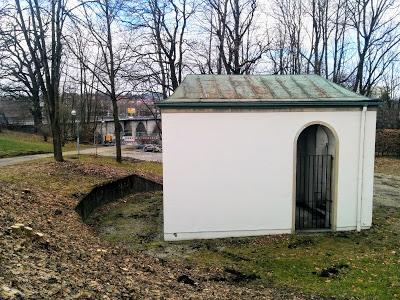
(387, 190)
(127, 151)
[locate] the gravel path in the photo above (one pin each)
(387, 190)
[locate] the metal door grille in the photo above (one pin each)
(314, 192)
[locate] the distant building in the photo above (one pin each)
(141, 129)
(16, 112)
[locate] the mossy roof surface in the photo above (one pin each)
(262, 91)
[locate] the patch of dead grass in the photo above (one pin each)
(70, 261)
(387, 165)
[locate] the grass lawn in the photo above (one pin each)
(343, 265)
(148, 168)
(14, 143)
(74, 177)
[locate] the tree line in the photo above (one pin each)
(104, 49)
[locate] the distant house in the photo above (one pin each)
(257, 155)
(3, 119)
(16, 112)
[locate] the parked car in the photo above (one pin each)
(139, 146)
(148, 148)
(152, 148)
(157, 148)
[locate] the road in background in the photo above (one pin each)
(127, 151)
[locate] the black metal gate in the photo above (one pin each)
(314, 192)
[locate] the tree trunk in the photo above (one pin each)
(117, 130)
(37, 115)
(359, 76)
(237, 38)
(56, 128)
(174, 79)
(57, 140)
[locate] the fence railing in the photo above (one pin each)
(314, 192)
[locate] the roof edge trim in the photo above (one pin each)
(269, 104)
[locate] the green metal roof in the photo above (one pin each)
(258, 91)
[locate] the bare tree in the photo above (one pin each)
(104, 22)
(42, 26)
(232, 23)
(319, 10)
(167, 23)
(377, 31)
(340, 25)
(82, 82)
(18, 67)
(391, 81)
(289, 17)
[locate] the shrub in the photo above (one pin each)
(388, 142)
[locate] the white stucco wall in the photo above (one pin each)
(368, 170)
(231, 173)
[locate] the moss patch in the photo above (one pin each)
(135, 221)
(342, 265)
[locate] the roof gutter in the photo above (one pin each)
(268, 104)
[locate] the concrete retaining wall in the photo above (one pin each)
(114, 190)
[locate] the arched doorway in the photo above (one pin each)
(140, 129)
(127, 128)
(316, 150)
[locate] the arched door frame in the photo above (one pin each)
(144, 127)
(334, 173)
